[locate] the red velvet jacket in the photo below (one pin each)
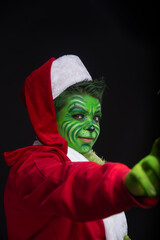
(49, 197)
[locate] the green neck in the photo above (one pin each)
(92, 157)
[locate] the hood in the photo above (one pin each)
(39, 89)
(37, 96)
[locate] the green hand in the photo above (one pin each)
(155, 151)
(126, 237)
(144, 178)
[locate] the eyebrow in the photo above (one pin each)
(76, 107)
(78, 98)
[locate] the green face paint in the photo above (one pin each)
(78, 122)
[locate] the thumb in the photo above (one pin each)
(155, 151)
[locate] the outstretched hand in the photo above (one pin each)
(144, 177)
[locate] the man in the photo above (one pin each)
(60, 192)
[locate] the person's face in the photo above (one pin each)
(78, 122)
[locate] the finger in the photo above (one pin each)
(133, 185)
(151, 162)
(152, 170)
(155, 151)
(144, 181)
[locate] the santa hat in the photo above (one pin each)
(66, 71)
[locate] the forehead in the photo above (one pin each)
(86, 101)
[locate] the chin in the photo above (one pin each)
(85, 149)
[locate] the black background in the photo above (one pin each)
(115, 39)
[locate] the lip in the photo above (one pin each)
(88, 140)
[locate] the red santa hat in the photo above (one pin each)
(66, 71)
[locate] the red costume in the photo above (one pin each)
(49, 197)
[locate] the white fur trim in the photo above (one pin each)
(36, 143)
(66, 71)
(75, 156)
(115, 226)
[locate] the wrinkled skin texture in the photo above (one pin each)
(78, 122)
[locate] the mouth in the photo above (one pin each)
(88, 140)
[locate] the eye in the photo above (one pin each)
(78, 116)
(96, 118)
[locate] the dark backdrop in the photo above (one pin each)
(115, 39)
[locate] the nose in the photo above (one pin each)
(91, 128)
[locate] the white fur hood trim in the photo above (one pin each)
(66, 71)
(116, 225)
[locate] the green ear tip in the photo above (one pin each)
(126, 237)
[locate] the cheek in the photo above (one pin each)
(71, 129)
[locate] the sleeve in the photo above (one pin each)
(80, 191)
